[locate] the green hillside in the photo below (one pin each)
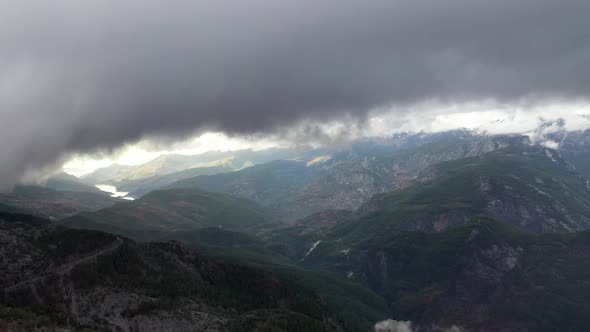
(102, 282)
(513, 279)
(175, 210)
(271, 184)
(531, 188)
(140, 187)
(346, 179)
(54, 204)
(358, 308)
(66, 182)
(9, 209)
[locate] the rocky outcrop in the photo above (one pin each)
(101, 281)
(483, 277)
(351, 180)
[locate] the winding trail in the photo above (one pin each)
(65, 268)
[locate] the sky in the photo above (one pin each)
(101, 76)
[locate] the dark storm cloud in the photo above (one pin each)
(82, 75)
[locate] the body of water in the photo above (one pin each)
(113, 191)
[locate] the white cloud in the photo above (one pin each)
(488, 117)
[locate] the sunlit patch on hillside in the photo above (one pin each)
(317, 160)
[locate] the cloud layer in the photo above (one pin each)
(79, 76)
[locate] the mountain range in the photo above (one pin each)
(454, 230)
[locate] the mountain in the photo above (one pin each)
(358, 307)
(176, 210)
(483, 276)
(167, 169)
(529, 187)
(164, 164)
(9, 209)
(140, 187)
(67, 182)
(451, 231)
(347, 179)
(511, 279)
(173, 163)
(350, 180)
(55, 277)
(60, 196)
(298, 239)
(574, 146)
(497, 241)
(54, 204)
(106, 175)
(268, 184)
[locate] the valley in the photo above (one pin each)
(295, 166)
(453, 229)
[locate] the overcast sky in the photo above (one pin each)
(84, 76)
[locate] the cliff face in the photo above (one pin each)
(430, 252)
(483, 277)
(529, 187)
(350, 180)
(574, 146)
(101, 281)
